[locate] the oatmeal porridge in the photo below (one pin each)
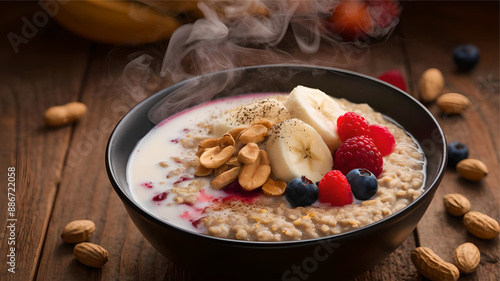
(225, 168)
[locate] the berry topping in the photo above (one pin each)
(394, 78)
(358, 152)
(334, 189)
(363, 183)
(466, 56)
(160, 197)
(301, 192)
(456, 153)
(350, 125)
(237, 193)
(382, 138)
(147, 184)
(181, 179)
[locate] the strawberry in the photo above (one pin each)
(334, 189)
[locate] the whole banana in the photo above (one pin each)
(116, 22)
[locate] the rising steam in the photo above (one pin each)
(239, 33)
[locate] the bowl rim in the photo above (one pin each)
(159, 222)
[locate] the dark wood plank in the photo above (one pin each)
(429, 43)
(85, 191)
(30, 83)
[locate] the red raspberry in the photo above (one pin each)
(395, 78)
(358, 152)
(382, 138)
(350, 125)
(335, 189)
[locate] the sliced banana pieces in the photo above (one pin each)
(317, 109)
(296, 149)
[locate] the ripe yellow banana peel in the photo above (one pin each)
(116, 22)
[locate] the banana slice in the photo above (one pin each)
(295, 149)
(318, 110)
(270, 109)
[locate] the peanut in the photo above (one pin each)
(78, 231)
(472, 169)
(255, 175)
(481, 225)
(64, 114)
(467, 257)
(255, 133)
(233, 161)
(431, 84)
(223, 168)
(226, 140)
(202, 171)
(453, 103)
(214, 157)
(432, 266)
(249, 153)
(237, 131)
(91, 254)
(206, 143)
(274, 188)
(456, 204)
(225, 178)
(263, 121)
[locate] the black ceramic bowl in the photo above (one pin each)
(336, 257)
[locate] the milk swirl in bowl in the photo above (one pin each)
(161, 172)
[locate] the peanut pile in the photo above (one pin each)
(237, 155)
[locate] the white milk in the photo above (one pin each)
(147, 178)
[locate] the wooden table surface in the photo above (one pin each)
(60, 173)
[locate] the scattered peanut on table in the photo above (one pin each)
(472, 169)
(431, 84)
(453, 103)
(91, 254)
(78, 231)
(87, 253)
(61, 115)
(456, 204)
(467, 257)
(481, 225)
(432, 266)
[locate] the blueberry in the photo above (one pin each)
(301, 192)
(456, 153)
(466, 56)
(363, 183)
